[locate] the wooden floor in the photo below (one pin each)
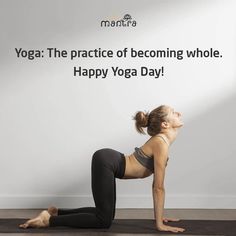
(204, 214)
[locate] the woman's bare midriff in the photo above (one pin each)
(134, 169)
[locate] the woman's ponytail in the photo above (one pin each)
(141, 121)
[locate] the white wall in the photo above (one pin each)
(51, 122)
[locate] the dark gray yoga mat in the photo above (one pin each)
(132, 226)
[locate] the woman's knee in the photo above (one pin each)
(107, 223)
(105, 217)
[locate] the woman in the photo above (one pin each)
(162, 125)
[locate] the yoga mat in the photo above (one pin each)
(132, 226)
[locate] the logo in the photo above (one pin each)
(127, 21)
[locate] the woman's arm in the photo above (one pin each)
(160, 158)
(155, 195)
(158, 203)
(154, 211)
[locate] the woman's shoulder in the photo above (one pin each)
(155, 141)
(152, 145)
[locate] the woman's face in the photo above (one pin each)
(174, 117)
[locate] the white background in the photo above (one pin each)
(51, 122)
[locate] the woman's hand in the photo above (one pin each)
(163, 227)
(170, 220)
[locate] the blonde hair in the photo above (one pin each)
(150, 120)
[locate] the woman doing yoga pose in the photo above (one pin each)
(162, 125)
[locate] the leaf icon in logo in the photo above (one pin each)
(127, 17)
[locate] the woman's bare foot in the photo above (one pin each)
(41, 221)
(53, 211)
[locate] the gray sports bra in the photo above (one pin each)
(143, 159)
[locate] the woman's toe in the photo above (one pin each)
(24, 226)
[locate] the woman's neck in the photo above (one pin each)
(170, 135)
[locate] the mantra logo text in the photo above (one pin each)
(125, 22)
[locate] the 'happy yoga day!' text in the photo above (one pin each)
(118, 72)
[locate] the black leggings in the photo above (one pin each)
(107, 164)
